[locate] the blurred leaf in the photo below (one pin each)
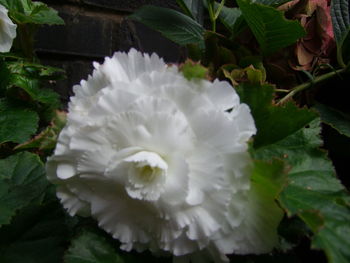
(22, 181)
(90, 247)
(336, 119)
(16, 123)
(192, 8)
(340, 13)
(269, 26)
(173, 25)
(37, 234)
(47, 139)
(273, 123)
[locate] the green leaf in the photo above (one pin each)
(340, 13)
(273, 123)
(90, 247)
(37, 234)
(16, 123)
(32, 88)
(232, 19)
(35, 71)
(314, 193)
(22, 181)
(336, 119)
(340, 19)
(26, 11)
(269, 178)
(173, 25)
(269, 26)
(192, 8)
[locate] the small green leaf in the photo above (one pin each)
(173, 25)
(340, 13)
(90, 247)
(336, 119)
(16, 123)
(269, 26)
(22, 181)
(193, 70)
(273, 123)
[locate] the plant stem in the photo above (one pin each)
(218, 11)
(26, 40)
(309, 84)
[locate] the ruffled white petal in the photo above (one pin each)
(7, 30)
(161, 162)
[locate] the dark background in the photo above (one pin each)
(95, 29)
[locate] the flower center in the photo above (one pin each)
(146, 175)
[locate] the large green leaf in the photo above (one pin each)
(273, 123)
(90, 247)
(192, 8)
(172, 24)
(340, 13)
(314, 193)
(22, 181)
(37, 234)
(269, 26)
(336, 119)
(16, 123)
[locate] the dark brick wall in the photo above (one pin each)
(95, 29)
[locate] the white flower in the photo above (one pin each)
(161, 162)
(7, 30)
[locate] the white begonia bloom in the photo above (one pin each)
(161, 162)
(7, 30)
